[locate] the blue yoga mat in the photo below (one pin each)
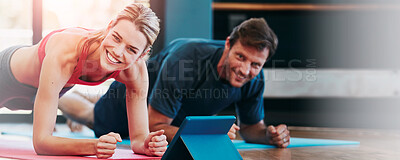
(239, 144)
(295, 142)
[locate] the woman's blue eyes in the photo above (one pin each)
(116, 38)
(132, 50)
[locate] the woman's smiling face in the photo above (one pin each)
(122, 46)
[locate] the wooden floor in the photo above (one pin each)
(374, 144)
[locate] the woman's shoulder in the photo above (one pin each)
(65, 41)
(68, 36)
(63, 45)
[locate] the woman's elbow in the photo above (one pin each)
(137, 146)
(39, 146)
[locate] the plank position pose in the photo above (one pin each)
(34, 77)
(194, 77)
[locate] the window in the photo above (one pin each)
(15, 23)
(93, 14)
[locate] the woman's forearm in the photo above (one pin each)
(51, 145)
(138, 123)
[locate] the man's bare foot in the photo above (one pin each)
(74, 126)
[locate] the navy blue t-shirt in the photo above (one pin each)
(183, 81)
(186, 83)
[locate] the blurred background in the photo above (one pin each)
(337, 63)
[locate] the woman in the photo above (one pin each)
(34, 77)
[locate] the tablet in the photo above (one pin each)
(203, 137)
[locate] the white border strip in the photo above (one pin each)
(291, 83)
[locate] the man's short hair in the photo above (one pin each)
(255, 32)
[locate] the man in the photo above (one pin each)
(197, 77)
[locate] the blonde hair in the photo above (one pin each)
(144, 18)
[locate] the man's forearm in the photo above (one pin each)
(254, 133)
(169, 130)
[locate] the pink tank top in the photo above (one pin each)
(75, 78)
